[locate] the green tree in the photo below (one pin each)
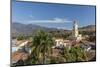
(74, 54)
(92, 38)
(20, 37)
(42, 43)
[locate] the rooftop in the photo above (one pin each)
(19, 55)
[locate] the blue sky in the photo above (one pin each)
(52, 15)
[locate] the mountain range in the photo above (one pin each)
(27, 29)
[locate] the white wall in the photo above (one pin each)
(5, 33)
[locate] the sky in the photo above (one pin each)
(52, 15)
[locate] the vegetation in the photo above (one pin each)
(41, 48)
(60, 34)
(87, 32)
(74, 54)
(20, 37)
(92, 39)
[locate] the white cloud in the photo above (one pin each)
(62, 28)
(54, 20)
(31, 16)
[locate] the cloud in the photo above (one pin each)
(31, 16)
(62, 28)
(54, 20)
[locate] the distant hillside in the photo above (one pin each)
(27, 29)
(18, 28)
(88, 28)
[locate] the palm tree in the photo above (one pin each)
(42, 43)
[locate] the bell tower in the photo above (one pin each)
(75, 29)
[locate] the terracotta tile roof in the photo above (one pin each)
(16, 56)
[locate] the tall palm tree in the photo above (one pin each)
(42, 43)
